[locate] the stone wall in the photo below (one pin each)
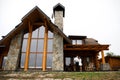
(57, 63)
(12, 61)
(105, 67)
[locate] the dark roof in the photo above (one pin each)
(77, 37)
(59, 7)
(36, 8)
(91, 41)
(88, 41)
(34, 16)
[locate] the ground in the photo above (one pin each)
(38, 75)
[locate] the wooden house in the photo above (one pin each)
(38, 43)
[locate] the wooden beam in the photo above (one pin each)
(38, 24)
(103, 58)
(28, 47)
(85, 47)
(44, 60)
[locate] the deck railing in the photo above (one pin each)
(86, 47)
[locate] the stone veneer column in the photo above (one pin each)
(57, 63)
(59, 19)
(58, 55)
(12, 61)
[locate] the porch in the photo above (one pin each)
(88, 53)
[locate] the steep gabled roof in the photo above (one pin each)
(37, 17)
(33, 11)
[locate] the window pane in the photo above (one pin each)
(41, 32)
(67, 61)
(79, 41)
(26, 35)
(40, 45)
(33, 45)
(88, 59)
(35, 33)
(50, 45)
(24, 45)
(50, 34)
(22, 60)
(39, 60)
(73, 42)
(4, 61)
(49, 60)
(32, 60)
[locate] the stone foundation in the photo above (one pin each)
(105, 67)
(12, 61)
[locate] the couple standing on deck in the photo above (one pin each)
(78, 63)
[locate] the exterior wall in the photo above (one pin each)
(12, 61)
(58, 63)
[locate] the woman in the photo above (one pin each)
(78, 63)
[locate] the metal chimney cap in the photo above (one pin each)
(59, 7)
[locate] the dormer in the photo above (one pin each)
(77, 40)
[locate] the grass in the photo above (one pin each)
(114, 75)
(88, 75)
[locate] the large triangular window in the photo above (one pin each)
(36, 50)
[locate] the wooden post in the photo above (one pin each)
(64, 63)
(71, 60)
(44, 60)
(103, 58)
(96, 61)
(1, 60)
(28, 47)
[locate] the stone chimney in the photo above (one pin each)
(58, 55)
(59, 13)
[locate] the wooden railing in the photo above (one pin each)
(86, 47)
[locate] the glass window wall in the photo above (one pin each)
(36, 49)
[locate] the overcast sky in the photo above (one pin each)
(98, 19)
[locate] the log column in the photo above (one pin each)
(44, 60)
(28, 47)
(71, 60)
(1, 61)
(103, 58)
(96, 61)
(104, 66)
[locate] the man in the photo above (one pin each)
(78, 63)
